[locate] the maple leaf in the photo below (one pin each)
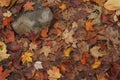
(54, 73)
(3, 51)
(8, 35)
(96, 64)
(29, 6)
(46, 50)
(4, 74)
(89, 26)
(63, 6)
(27, 57)
(4, 3)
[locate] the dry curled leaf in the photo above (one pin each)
(3, 51)
(27, 57)
(54, 73)
(68, 51)
(29, 6)
(44, 33)
(96, 64)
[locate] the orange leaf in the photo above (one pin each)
(44, 33)
(84, 58)
(89, 26)
(29, 6)
(63, 6)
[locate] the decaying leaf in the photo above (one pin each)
(112, 4)
(95, 52)
(68, 51)
(3, 51)
(54, 73)
(29, 6)
(46, 50)
(96, 63)
(4, 3)
(27, 57)
(4, 74)
(38, 65)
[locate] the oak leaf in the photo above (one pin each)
(29, 6)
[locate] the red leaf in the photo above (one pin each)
(6, 22)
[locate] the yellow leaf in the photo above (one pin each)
(29, 6)
(63, 6)
(96, 64)
(27, 57)
(54, 73)
(67, 52)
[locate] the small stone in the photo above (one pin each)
(33, 21)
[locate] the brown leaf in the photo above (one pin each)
(29, 6)
(44, 32)
(99, 2)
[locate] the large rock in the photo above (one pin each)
(33, 21)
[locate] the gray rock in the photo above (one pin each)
(33, 21)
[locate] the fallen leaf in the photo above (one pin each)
(54, 73)
(68, 51)
(38, 65)
(6, 22)
(4, 3)
(101, 76)
(44, 32)
(86, 0)
(3, 51)
(96, 64)
(63, 6)
(7, 14)
(27, 57)
(46, 50)
(29, 6)
(112, 4)
(8, 35)
(12, 3)
(89, 26)
(84, 58)
(4, 74)
(95, 52)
